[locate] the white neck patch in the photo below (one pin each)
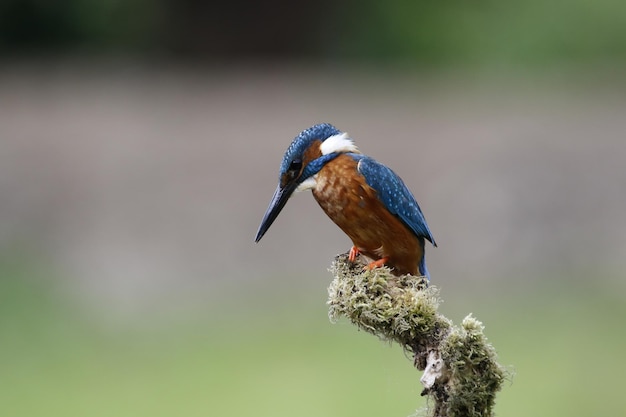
(338, 144)
(307, 184)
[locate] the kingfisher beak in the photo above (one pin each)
(279, 199)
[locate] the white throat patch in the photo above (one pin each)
(307, 184)
(337, 144)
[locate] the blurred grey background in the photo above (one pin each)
(142, 182)
(140, 144)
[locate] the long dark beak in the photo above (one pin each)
(281, 195)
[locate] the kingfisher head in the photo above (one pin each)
(307, 154)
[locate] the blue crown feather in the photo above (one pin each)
(301, 142)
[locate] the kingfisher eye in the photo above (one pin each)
(295, 166)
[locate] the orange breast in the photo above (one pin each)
(353, 205)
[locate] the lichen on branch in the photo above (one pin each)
(460, 369)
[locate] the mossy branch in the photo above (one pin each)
(460, 369)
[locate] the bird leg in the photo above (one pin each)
(377, 264)
(354, 252)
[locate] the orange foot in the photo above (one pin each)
(354, 252)
(376, 264)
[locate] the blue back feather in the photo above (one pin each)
(394, 195)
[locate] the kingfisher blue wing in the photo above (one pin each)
(394, 194)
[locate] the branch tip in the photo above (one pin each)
(460, 369)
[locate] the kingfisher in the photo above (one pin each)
(365, 198)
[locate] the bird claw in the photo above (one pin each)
(376, 264)
(354, 252)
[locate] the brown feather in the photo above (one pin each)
(353, 205)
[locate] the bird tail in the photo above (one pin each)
(423, 270)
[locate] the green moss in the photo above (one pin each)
(404, 310)
(475, 376)
(400, 309)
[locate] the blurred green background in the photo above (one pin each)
(430, 34)
(139, 147)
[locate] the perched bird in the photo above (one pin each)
(366, 199)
